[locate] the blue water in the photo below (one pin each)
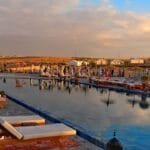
(92, 109)
(133, 137)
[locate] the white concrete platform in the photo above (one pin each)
(33, 132)
(23, 119)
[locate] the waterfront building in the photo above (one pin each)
(147, 61)
(35, 68)
(75, 63)
(117, 62)
(101, 61)
(25, 69)
(85, 63)
(137, 61)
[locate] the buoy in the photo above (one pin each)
(114, 144)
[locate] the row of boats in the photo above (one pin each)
(123, 83)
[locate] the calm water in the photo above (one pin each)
(99, 111)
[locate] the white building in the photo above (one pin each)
(101, 62)
(117, 62)
(85, 63)
(35, 68)
(137, 61)
(75, 63)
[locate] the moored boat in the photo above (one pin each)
(126, 84)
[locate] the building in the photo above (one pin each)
(117, 62)
(25, 69)
(137, 61)
(35, 68)
(75, 63)
(101, 62)
(85, 63)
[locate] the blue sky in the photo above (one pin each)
(126, 5)
(134, 5)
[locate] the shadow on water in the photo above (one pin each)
(143, 103)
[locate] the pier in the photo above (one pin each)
(74, 81)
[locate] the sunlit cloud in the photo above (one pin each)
(50, 27)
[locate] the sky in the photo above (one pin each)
(89, 28)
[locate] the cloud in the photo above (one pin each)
(50, 27)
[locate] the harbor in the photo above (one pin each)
(65, 101)
(124, 84)
(74, 75)
(13, 110)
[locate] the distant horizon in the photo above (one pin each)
(34, 56)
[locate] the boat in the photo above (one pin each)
(125, 84)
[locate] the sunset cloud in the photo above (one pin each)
(50, 27)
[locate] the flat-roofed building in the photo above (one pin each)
(137, 61)
(101, 61)
(75, 63)
(25, 69)
(117, 62)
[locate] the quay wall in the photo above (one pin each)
(80, 131)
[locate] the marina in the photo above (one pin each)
(67, 101)
(74, 75)
(124, 84)
(13, 112)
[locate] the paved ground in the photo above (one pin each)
(14, 109)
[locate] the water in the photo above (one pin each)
(98, 111)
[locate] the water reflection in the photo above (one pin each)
(66, 85)
(86, 106)
(143, 103)
(133, 102)
(63, 85)
(107, 101)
